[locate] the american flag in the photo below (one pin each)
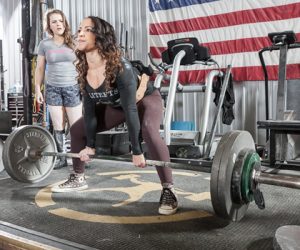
(233, 30)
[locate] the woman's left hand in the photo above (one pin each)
(139, 160)
(85, 153)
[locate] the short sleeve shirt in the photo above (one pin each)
(60, 69)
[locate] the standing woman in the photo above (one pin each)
(109, 86)
(62, 89)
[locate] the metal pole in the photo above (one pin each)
(262, 61)
(217, 115)
(278, 180)
(171, 96)
(206, 106)
(282, 85)
(26, 62)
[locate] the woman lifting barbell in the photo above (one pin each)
(109, 88)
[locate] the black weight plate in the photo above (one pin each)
(1, 161)
(17, 160)
(231, 144)
(215, 171)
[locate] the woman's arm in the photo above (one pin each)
(39, 77)
(127, 84)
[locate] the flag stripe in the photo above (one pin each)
(171, 4)
(213, 8)
(228, 47)
(245, 60)
(231, 32)
(251, 73)
(228, 19)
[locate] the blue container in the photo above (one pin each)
(183, 125)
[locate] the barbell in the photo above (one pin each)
(29, 155)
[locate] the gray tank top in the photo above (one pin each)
(60, 69)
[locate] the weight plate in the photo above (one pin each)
(18, 160)
(237, 173)
(1, 161)
(215, 171)
(248, 165)
(230, 146)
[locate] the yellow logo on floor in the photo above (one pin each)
(135, 193)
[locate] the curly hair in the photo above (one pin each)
(67, 34)
(108, 49)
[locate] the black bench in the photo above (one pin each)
(278, 127)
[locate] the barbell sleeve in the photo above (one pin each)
(278, 180)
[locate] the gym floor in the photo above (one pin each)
(119, 211)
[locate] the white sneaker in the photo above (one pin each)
(76, 182)
(168, 202)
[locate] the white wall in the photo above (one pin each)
(132, 13)
(1, 22)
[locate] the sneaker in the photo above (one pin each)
(168, 202)
(76, 182)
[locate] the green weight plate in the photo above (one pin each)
(248, 165)
(1, 161)
(18, 161)
(237, 173)
(230, 146)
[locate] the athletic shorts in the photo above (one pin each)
(63, 96)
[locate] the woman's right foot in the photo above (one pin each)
(168, 203)
(76, 182)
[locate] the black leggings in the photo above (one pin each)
(150, 113)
